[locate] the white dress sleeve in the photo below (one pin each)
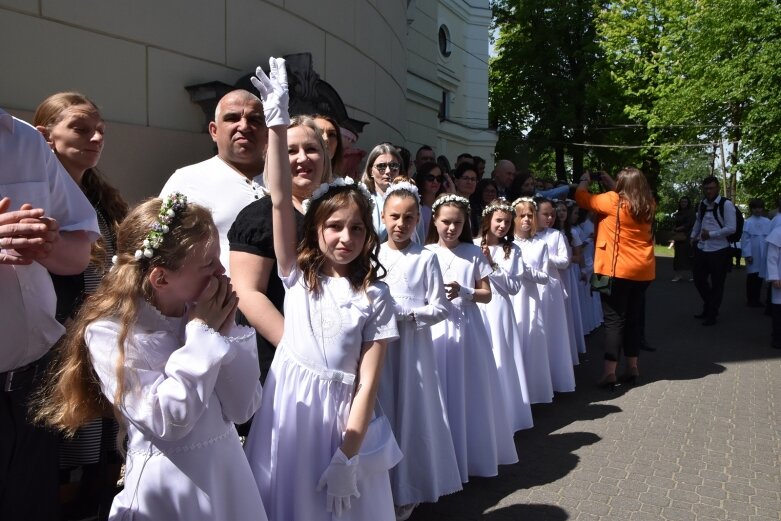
(435, 310)
(560, 255)
(165, 394)
(507, 275)
(238, 384)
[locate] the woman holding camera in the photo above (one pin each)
(625, 253)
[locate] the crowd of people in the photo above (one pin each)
(377, 341)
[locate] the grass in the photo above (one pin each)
(661, 250)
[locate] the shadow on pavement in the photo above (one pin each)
(686, 350)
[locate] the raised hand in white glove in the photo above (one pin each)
(273, 92)
(341, 480)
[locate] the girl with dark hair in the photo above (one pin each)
(496, 240)
(308, 446)
(479, 425)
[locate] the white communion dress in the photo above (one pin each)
(481, 431)
(409, 389)
(307, 399)
(499, 320)
(571, 278)
(186, 386)
(527, 305)
(561, 352)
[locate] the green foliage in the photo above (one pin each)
(672, 76)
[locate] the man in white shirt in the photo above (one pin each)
(232, 179)
(46, 225)
(712, 255)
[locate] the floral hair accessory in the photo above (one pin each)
(403, 185)
(172, 203)
(524, 200)
(451, 198)
(500, 206)
(323, 189)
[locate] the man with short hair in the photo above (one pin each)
(715, 221)
(232, 179)
(464, 158)
(503, 175)
(51, 230)
(425, 154)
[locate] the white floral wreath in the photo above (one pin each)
(403, 185)
(321, 190)
(172, 203)
(451, 198)
(524, 200)
(493, 207)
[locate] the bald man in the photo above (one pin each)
(503, 175)
(232, 179)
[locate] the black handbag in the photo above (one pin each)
(604, 283)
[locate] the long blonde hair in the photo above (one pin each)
(634, 191)
(72, 395)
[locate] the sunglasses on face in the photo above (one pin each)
(433, 178)
(381, 167)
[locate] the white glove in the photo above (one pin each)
(341, 478)
(273, 92)
(402, 314)
(466, 293)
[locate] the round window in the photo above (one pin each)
(444, 41)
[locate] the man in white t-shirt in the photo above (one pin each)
(232, 179)
(46, 225)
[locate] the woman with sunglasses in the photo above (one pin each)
(382, 166)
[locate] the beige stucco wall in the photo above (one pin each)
(135, 58)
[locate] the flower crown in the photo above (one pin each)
(172, 203)
(323, 189)
(500, 206)
(524, 200)
(451, 198)
(403, 185)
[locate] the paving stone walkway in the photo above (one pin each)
(699, 440)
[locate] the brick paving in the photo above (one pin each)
(699, 440)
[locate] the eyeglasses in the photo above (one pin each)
(468, 179)
(433, 178)
(382, 167)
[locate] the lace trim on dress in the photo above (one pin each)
(153, 451)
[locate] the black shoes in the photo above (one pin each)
(710, 321)
(608, 382)
(645, 346)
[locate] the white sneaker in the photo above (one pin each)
(677, 278)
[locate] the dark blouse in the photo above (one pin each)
(252, 232)
(71, 290)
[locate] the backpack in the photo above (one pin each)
(735, 237)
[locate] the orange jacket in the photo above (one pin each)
(635, 258)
